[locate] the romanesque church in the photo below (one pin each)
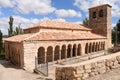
(51, 40)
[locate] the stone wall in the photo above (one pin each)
(89, 68)
(14, 53)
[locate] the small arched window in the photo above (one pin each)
(94, 14)
(101, 13)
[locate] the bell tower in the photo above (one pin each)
(100, 21)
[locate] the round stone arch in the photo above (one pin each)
(93, 47)
(74, 53)
(56, 52)
(86, 48)
(79, 50)
(63, 52)
(103, 47)
(41, 55)
(49, 55)
(69, 49)
(90, 47)
(99, 46)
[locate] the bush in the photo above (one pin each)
(114, 49)
(2, 55)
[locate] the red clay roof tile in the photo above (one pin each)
(64, 36)
(54, 36)
(18, 38)
(59, 25)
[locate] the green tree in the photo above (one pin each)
(86, 22)
(118, 31)
(18, 30)
(10, 30)
(1, 42)
(114, 35)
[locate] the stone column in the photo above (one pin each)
(53, 55)
(94, 47)
(76, 49)
(60, 53)
(45, 60)
(71, 51)
(82, 49)
(88, 49)
(91, 48)
(66, 53)
(98, 46)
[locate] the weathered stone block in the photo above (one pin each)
(92, 74)
(87, 66)
(94, 65)
(102, 70)
(108, 62)
(85, 75)
(88, 70)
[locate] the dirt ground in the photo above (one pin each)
(9, 72)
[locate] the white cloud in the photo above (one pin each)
(17, 20)
(113, 24)
(85, 4)
(7, 3)
(67, 13)
(41, 7)
(4, 25)
(60, 19)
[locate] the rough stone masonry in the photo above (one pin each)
(84, 70)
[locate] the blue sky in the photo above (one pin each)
(29, 12)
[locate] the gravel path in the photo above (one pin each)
(111, 75)
(10, 72)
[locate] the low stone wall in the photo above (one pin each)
(89, 68)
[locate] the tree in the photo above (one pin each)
(18, 30)
(1, 42)
(116, 33)
(10, 30)
(86, 22)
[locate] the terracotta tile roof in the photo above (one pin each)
(64, 36)
(53, 36)
(18, 38)
(58, 24)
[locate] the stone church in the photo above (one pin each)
(51, 40)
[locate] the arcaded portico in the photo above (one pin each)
(50, 40)
(64, 51)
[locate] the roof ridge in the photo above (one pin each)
(59, 24)
(31, 36)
